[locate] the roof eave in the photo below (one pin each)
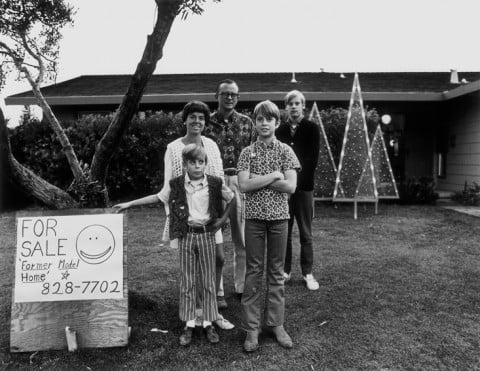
(244, 96)
(462, 90)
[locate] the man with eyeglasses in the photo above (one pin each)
(232, 131)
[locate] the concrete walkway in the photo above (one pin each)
(452, 205)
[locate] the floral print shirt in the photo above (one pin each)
(231, 135)
(262, 159)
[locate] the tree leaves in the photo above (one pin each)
(30, 31)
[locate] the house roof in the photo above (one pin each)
(168, 88)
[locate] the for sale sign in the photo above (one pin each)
(72, 257)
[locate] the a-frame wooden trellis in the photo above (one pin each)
(326, 170)
(355, 180)
(385, 181)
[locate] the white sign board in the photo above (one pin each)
(69, 258)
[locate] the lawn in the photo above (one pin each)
(398, 290)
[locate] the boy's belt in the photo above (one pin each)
(198, 229)
(230, 171)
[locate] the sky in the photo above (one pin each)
(108, 37)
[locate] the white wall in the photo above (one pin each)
(463, 157)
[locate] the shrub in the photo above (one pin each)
(469, 196)
(417, 191)
(334, 121)
(137, 166)
(35, 145)
(135, 169)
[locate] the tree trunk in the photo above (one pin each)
(166, 13)
(30, 183)
(57, 128)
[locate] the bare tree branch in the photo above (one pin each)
(41, 65)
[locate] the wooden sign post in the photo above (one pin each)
(70, 278)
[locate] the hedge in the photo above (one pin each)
(137, 166)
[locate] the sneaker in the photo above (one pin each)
(211, 334)
(312, 283)
(186, 337)
(223, 323)
(282, 337)
(221, 302)
(286, 277)
(251, 341)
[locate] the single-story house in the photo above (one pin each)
(435, 115)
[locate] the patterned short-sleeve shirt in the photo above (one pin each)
(262, 159)
(231, 135)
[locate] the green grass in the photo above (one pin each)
(398, 290)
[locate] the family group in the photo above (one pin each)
(260, 176)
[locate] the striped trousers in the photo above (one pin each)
(197, 251)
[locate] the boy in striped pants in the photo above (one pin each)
(196, 213)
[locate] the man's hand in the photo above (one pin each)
(215, 225)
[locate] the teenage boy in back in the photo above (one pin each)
(303, 136)
(267, 174)
(196, 213)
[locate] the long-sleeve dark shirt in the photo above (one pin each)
(306, 145)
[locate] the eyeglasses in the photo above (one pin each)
(229, 95)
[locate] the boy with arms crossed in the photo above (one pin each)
(267, 174)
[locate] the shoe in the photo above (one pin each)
(251, 341)
(211, 334)
(312, 283)
(282, 337)
(286, 277)
(186, 337)
(239, 295)
(221, 302)
(223, 323)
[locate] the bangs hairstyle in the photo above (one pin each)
(195, 106)
(294, 94)
(267, 109)
(193, 152)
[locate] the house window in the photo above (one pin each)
(442, 164)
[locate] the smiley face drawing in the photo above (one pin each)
(95, 244)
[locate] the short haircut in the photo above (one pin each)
(267, 109)
(294, 94)
(193, 152)
(195, 106)
(226, 81)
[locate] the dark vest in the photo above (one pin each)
(178, 219)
